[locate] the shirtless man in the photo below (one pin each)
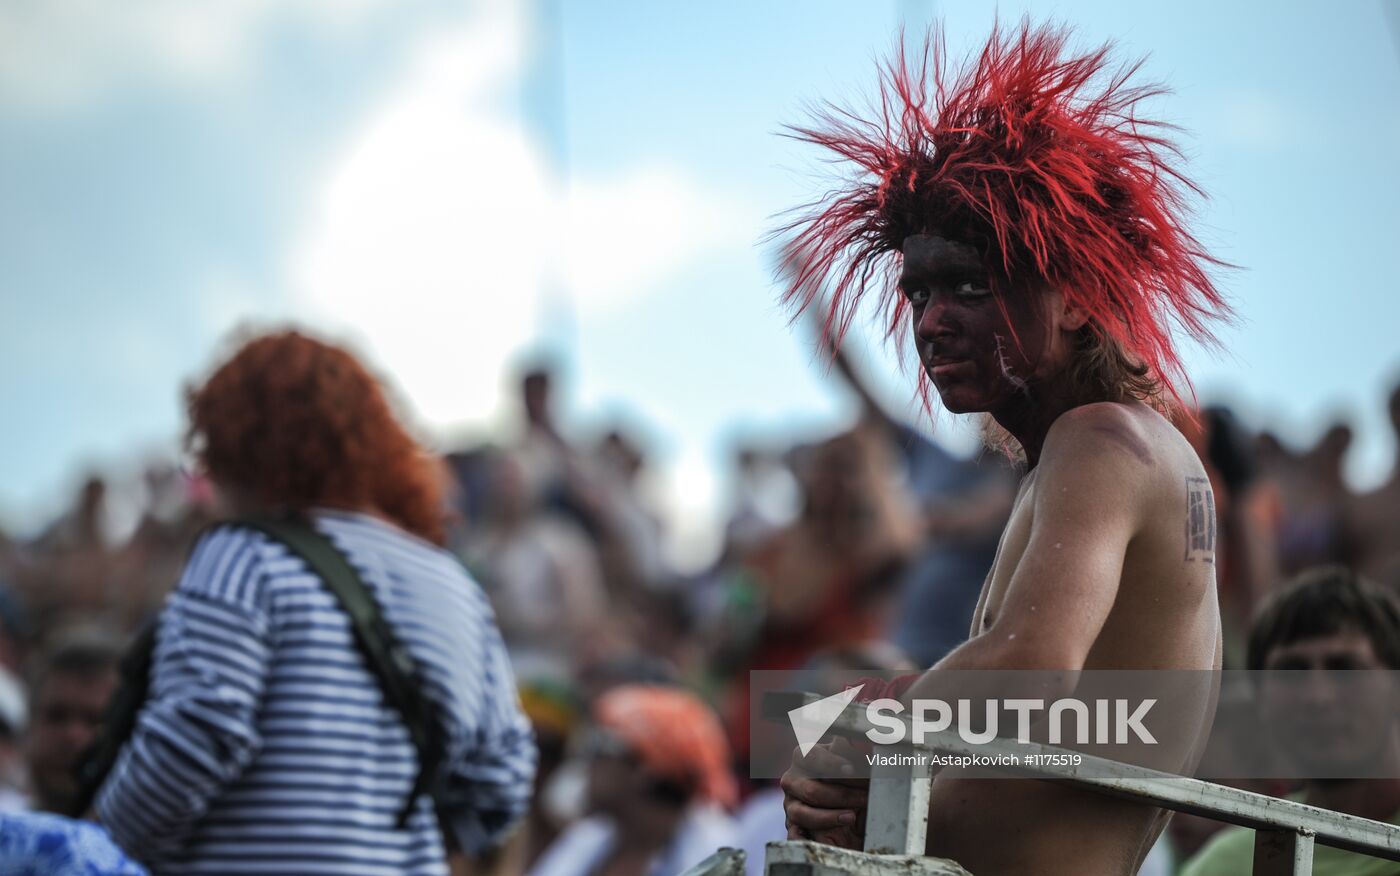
(1034, 240)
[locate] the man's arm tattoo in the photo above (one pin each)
(1200, 521)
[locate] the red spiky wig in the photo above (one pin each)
(1036, 156)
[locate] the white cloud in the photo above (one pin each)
(440, 225)
(624, 234)
(67, 54)
(424, 237)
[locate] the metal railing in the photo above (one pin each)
(897, 812)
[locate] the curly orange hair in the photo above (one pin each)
(298, 423)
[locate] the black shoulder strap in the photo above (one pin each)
(388, 659)
(391, 663)
(118, 721)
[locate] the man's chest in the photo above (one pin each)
(1010, 549)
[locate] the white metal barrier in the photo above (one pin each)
(897, 813)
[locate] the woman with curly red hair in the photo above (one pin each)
(267, 741)
(293, 423)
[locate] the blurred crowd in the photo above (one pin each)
(865, 548)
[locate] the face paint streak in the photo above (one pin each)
(1012, 379)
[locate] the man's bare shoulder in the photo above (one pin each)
(1112, 433)
(1127, 456)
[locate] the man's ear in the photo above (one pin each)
(1072, 317)
(1065, 316)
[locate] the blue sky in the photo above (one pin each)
(451, 186)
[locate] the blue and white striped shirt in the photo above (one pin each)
(266, 745)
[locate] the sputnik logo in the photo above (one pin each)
(810, 722)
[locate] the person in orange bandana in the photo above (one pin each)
(659, 785)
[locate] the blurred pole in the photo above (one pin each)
(914, 17)
(1391, 10)
(544, 112)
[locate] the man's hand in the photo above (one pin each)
(830, 811)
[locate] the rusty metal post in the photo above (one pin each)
(1283, 852)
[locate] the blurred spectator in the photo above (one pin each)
(624, 669)
(763, 490)
(828, 579)
(14, 629)
(540, 569)
(14, 717)
(471, 498)
(74, 579)
(633, 542)
(85, 526)
(1311, 527)
(598, 490)
(71, 684)
(658, 784)
(965, 506)
(266, 735)
(41, 844)
(1233, 751)
(1374, 518)
(541, 445)
(553, 708)
(548, 461)
(9, 560)
(840, 575)
(76, 572)
(1326, 621)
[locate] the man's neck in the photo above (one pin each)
(1029, 419)
(1376, 799)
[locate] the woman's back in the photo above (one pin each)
(268, 745)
